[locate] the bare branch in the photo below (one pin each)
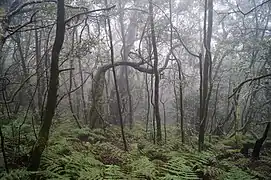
(238, 88)
(244, 13)
(18, 90)
(178, 34)
(19, 8)
(67, 69)
(22, 26)
(75, 89)
(259, 5)
(88, 12)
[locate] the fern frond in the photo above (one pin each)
(143, 168)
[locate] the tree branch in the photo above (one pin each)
(238, 88)
(259, 5)
(22, 26)
(88, 12)
(19, 8)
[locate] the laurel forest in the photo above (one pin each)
(135, 89)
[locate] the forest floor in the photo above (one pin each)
(98, 154)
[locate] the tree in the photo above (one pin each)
(206, 70)
(52, 90)
(156, 75)
(115, 81)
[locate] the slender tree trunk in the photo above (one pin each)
(165, 118)
(115, 81)
(3, 29)
(3, 150)
(148, 102)
(214, 113)
(153, 112)
(26, 75)
(82, 91)
(156, 75)
(52, 91)
(71, 78)
(181, 99)
(176, 100)
(39, 71)
(206, 70)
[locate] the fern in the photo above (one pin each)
(75, 166)
(20, 174)
(236, 174)
(17, 174)
(176, 168)
(210, 172)
(109, 154)
(113, 172)
(143, 168)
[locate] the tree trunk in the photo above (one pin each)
(259, 143)
(3, 29)
(153, 112)
(181, 99)
(156, 75)
(82, 91)
(214, 112)
(52, 91)
(96, 109)
(148, 102)
(115, 82)
(39, 68)
(128, 40)
(206, 70)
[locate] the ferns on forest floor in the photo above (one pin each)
(100, 156)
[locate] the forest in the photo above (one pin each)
(135, 89)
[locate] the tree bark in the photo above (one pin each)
(156, 75)
(52, 91)
(259, 143)
(3, 29)
(181, 99)
(115, 82)
(148, 102)
(128, 41)
(206, 70)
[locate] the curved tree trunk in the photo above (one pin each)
(52, 91)
(98, 83)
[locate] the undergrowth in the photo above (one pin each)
(86, 154)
